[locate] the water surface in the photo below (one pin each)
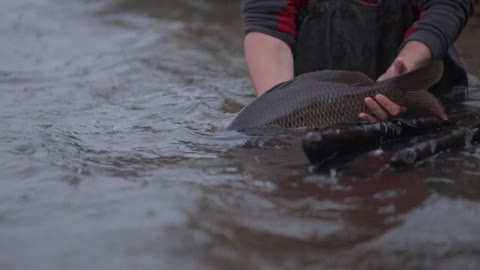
(112, 156)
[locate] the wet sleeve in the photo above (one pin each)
(440, 24)
(272, 17)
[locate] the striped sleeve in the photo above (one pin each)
(272, 17)
(440, 24)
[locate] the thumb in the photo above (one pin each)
(399, 66)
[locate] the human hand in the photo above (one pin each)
(397, 68)
(382, 107)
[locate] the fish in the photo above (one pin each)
(332, 97)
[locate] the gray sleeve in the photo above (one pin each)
(440, 24)
(265, 16)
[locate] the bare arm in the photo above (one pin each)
(269, 27)
(269, 61)
(414, 55)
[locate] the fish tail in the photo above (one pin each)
(415, 87)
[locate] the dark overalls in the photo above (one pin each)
(352, 35)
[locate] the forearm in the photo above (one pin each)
(415, 55)
(269, 61)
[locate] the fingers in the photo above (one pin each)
(378, 112)
(387, 75)
(391, 107)
(397, 68)
(383, 77)
(390, 73)
(381, 109)
(367, 117)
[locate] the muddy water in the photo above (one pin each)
(111, 156)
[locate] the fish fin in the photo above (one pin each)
(280, 85)
(420, 79)
(415, 85)
(424, 101)
(340, 76)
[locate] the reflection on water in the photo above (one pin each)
(112, 156)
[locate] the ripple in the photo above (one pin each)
(112, 116)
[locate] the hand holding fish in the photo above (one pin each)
(382, 107)
(331, 97)
(413, 55)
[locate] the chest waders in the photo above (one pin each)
(352, 35)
